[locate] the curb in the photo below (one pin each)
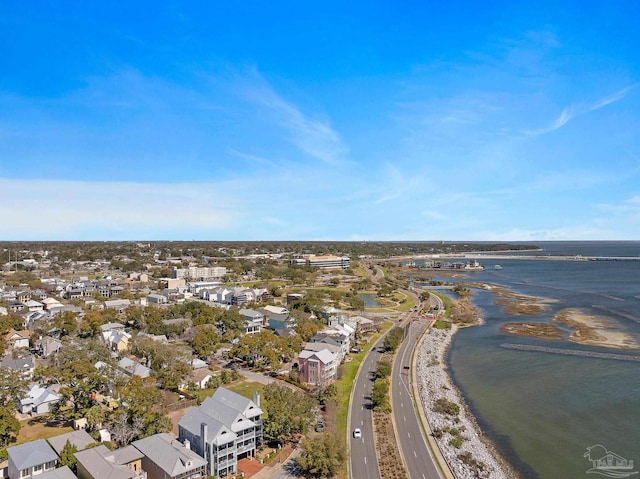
(440, 460)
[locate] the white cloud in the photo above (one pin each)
(571, 111)
(314, 136)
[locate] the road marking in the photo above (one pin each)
(404, 418)
(409, 434)
(365, 459)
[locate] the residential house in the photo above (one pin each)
(256, 320)
(133, 368)
(318, 367)
(226, 427)
(117, 341)
(38, 294)
(33, 305)
(55, 310)
(166, 458)
(47, 346)
(197, 377)
(15, 306)
(317, 347)
(50, 302)
(23, 296)
(60, 473)
(155, 298)
(31, 459)
(78, 438)
(277, 316)
(109, 327)
(197, 363)
(102, 463)
(38, 400)
(24, 365)
(362, 324)
(31, 318)
(18, 339)
(118, 304)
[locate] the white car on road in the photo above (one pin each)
(357, 433)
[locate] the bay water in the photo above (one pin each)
(543, 410)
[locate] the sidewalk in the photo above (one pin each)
(274, 470)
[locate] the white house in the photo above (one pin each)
(38, 400)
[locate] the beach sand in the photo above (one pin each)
(596, 330)
(476, 456)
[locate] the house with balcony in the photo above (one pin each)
(256, 320)
(225, 428)
(318, 367)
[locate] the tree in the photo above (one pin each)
(383, 369)
(12, 388)
(141, 401)
(204, 342)
(94, 416)
(91, 323)
(9, 426)
(393, 339)
(66, 322)
(380, 395)
(324, 394)
(288, 412)
(67, 457)
(322, 456)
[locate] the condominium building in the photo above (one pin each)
(199, 273)
(323, 262)
(225, 428)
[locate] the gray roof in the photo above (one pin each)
(20, 364)
(31, 454)
(230, 417)
(237, 402)
(105, 464)
(60, 473)
(111, 326)
(169, 455)
(80, 438)
(134, 368)
(192, 420)
(251, 313)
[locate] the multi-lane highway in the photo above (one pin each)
(413, 445)
(363, 462)
(411, 441)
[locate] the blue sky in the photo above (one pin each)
(326, 121)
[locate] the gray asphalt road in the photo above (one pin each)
(362, 458)
(413, 446)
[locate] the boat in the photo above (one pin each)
(497, 266)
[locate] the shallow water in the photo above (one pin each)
(543, 410)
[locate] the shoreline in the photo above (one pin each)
(477, 456)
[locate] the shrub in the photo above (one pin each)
(447, 407)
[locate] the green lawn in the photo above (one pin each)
(244, 388)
